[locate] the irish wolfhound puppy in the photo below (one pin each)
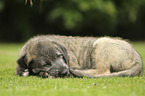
(60, 56)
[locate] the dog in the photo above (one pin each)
(55, 56)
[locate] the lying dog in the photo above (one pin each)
(61, 56)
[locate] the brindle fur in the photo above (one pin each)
(93, 57)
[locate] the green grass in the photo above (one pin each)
(12, 85)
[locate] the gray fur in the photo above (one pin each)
(85, 56)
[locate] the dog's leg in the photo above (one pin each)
(92, 72)
(129, 72)
(101, 69)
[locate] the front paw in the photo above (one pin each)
(45, 75)
(22, 72)
(26, 73)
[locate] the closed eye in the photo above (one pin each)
(46, 64)
(59, 55)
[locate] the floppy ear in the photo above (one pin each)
(65, 54)
(22, 62)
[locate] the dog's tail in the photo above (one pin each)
(136, 70)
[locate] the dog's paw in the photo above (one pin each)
(45, 75)
(25, 73)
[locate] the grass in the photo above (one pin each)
(12, 85)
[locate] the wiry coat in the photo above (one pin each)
(96, 57)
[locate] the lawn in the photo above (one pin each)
(12, 85)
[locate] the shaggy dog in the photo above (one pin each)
(62, 56)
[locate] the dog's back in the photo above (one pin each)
(104, 56)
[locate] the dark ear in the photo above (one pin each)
(22, 62)
(65, 54)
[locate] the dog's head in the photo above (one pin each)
(49, 57)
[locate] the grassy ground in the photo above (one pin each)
(12, 85)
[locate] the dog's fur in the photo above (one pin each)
(81, 57)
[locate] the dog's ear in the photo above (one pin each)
(65, 54)
(22, 62)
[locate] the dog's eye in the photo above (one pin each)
(46, 64)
